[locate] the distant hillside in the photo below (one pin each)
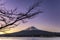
(32, 32)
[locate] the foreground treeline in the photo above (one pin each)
(37, 35)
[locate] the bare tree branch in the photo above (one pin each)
(11, 18)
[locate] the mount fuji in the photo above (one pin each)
(32, 32)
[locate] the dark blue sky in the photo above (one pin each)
(49, 19)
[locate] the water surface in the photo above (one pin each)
(29, 38)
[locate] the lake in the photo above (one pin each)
(29, 38)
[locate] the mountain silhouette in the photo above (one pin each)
(32, 32)
(32, 28)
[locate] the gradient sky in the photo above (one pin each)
(49, 20)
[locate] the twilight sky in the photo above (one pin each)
(49, 20)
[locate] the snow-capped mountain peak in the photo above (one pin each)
(32, 28)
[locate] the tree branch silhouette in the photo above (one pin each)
(11, 17)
